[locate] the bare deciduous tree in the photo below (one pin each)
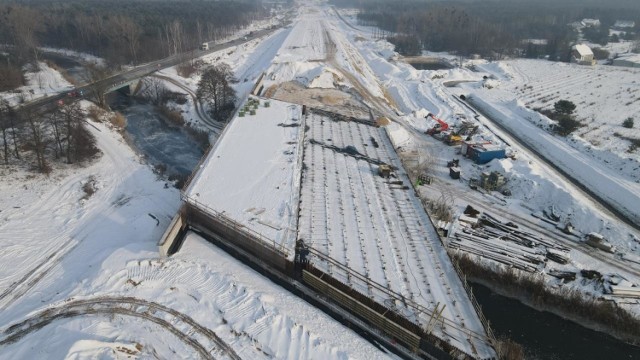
(94, 75)
(130, 32)
(4, 125)
(214, 88)
(24, 23)
(154, 90)
(37, 139)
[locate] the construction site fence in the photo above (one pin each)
(475, 303)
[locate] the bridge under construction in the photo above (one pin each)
(297, 191)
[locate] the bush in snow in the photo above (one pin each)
(564, 107)
(628, 123)
(566, 124)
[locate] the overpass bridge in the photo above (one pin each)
(128, 80)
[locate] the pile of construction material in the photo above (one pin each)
(505, 243)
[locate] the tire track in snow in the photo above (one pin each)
(17, 289)
(182, 326)
(62, 195)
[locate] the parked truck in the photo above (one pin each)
(204, 46)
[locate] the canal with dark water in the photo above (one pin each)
(543, 335)
(547, 336)
(430, 65)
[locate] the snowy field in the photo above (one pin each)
(179, 307)
(604, 95)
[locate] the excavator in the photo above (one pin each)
(452, 138)
(439, 127)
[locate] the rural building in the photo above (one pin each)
(582, 54)
(624, 25)
(590, 22)
(628, 60)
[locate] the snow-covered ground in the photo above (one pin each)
(247, 62)
(94, 258)
(604, 96)
(43, 82)
(251, 317)
(84, 57)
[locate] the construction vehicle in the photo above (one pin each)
(453, 139)
(439, 127)
(384, 170)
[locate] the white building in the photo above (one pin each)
(590, 22)
(582, 55)
(624, 24)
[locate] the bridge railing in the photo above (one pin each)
(241, 229)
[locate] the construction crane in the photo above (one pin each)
(439, 127)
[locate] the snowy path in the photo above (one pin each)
(202, 114)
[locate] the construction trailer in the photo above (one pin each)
(482, 154)
(467, 146)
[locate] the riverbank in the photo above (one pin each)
(591, 313)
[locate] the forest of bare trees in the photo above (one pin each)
(489, 28)
(60, 135)
(122, 32)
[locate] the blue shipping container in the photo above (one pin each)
(483, 156)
